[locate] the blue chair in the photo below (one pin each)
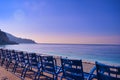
(3, 56)
(49, 66)
(12, 59)
(73, 70)
(8, 58)
(107, 72)
(34, 65)
(21, 61)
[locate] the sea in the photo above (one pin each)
(104, 53)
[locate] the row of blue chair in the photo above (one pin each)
(42, 65)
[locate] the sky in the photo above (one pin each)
(62, 21)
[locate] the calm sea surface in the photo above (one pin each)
(102, 53)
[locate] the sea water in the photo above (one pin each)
(87, 52)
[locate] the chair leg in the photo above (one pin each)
(14, 68)
(25, 69)
(23, 74)
(2, 62)
(54, 77)
(7, 65)
(61, 78)
(39, 76)
(36, 75)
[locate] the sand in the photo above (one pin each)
(8, 75)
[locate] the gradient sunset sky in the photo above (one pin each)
(62, 21)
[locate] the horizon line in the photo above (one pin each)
(81, 43)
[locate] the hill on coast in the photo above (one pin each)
(7, 38)
(19, 40)
(4, 39)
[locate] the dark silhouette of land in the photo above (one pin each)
(6, 38)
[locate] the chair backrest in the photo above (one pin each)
(2, 53)
(48, 64)
(14, 55)
(72, 69)
(33, 59)
(8, 54)
(107, 72)
(22, 57)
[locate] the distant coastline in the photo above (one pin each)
(18, 39)
(4, 39)
(7, 38)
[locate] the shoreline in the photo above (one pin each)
(83, 60)
(88, 53)
(8, 75)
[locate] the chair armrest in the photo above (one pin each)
(58, 69)
(91, 74)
